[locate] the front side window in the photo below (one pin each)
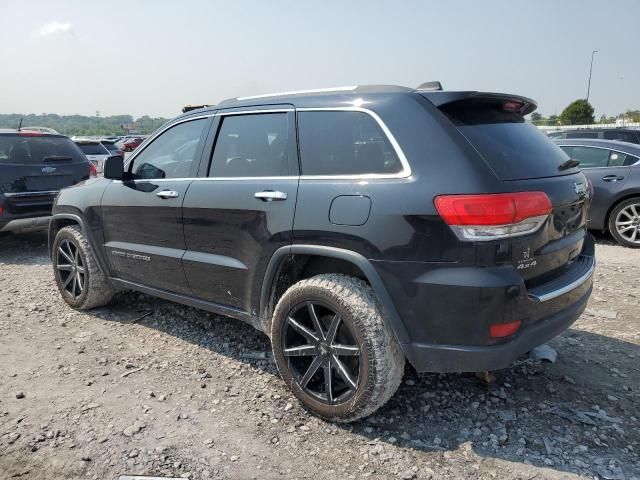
(344, 143)
(251, 145)
(171, 154)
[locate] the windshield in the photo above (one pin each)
(37, 149)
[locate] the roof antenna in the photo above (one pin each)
(20, 125)
(430, 86)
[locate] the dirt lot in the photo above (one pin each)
(149, 387)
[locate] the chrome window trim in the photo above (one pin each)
(637, 162)
(404, 173)
(406, 168)
(31, 194)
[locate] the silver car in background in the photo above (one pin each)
(95, 152)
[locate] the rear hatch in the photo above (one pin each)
(525, 160)
(33, 167)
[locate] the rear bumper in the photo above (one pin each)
(460, 358)
(447, 310)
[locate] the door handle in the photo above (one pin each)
(168, 194)
(270, 196)
(612, 178)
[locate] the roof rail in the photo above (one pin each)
(293, 92)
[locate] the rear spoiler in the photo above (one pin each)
(440, 98)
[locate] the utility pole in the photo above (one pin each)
(590, 70)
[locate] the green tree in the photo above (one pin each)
(552, 120)
(579, 112)
(536, 118)
(632, 115)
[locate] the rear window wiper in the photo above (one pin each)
(568, 164)
(56, 158)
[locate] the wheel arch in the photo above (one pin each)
(625, 196)
(277, 279)
(59, 221)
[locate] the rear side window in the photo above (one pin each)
(344, 143)
(93, 149)
(513, 148)
(251, 146)
(589, 157)
(38, 149)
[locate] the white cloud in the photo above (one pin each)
(55, 28)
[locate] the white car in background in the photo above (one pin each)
(95, 152)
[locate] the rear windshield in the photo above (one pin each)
(110, 146)
(38, 149)
(513, 148)
(92, 149)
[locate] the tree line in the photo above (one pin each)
(82, 125)
(580, 112)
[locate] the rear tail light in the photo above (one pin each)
(494, 216)
(93, 172)
(30, 134)
(1, 210)
(501, 330)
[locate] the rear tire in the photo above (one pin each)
(348, 343)
(78, 276)
(624, 223)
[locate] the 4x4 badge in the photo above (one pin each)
(580, 188)
(48, 169)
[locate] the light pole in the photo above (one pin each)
(590, 70)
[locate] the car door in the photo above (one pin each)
(142, 215)
(607, 169)
(241, 210)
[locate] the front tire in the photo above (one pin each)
(78, 276)
(334, 349)
(624, 223)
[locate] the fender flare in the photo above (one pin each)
(80, 221)
(389, 311)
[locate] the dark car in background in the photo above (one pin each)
(621, 134)
(614, 170)
(357, 227)
(34, 167)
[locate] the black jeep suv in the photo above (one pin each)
(34, 166)
(356, 227)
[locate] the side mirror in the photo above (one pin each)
(114, 168)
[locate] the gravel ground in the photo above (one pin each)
(150, 387)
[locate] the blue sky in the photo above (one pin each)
(152, 57)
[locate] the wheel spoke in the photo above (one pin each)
(633, 209)
(80, 282)
(68, 280)
(64, 266)
(345, 350)
(73, 285)
(311, 371)
(301, 351)
(634, 235)
(625, 228)
(302, 330)
(315, 320)
(65, 254)
(343, 372)
(328, 381)
(80, 269)
(626, 222)
(333, 328)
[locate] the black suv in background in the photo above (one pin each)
(357, 227)
(34, 166)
